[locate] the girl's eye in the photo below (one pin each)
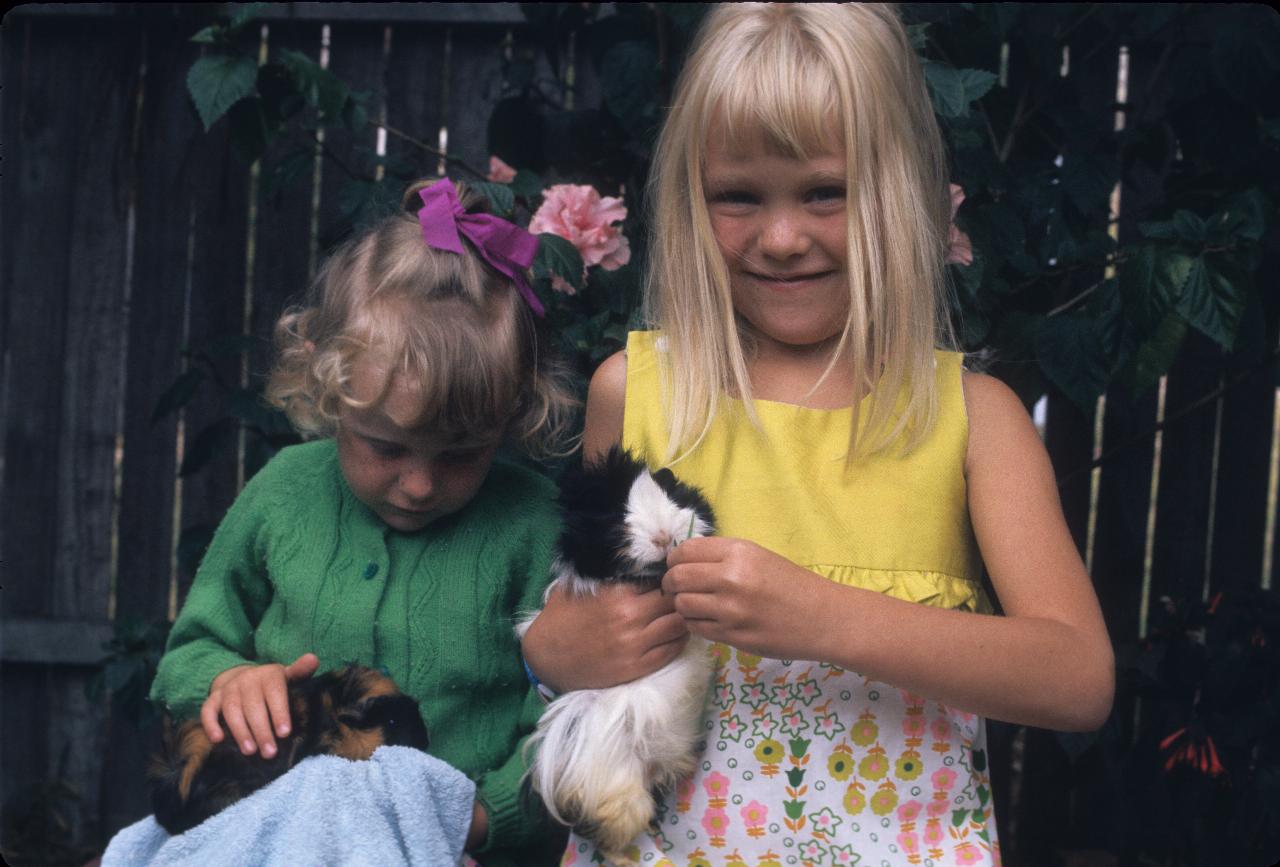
(732, 197)
(827, 194)
(461, 456)
(384, 449)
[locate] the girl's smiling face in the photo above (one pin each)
(408, 474)
(779, 222)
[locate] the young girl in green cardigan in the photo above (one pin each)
(395, 539)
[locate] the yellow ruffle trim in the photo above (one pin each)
(938, 589)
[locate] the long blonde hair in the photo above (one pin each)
(785, 74)
(456, 329)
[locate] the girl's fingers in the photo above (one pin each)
(234, 718)
(696, 607)
(689, 578)
(255, 714)
(209, 721)
(661, 654)
(666, 629)
(278, 707)
(302, 667)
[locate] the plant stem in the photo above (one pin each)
(418, 143)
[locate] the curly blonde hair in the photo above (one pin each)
(451, 325)
(803, 79)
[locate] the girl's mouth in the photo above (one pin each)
(791, 279)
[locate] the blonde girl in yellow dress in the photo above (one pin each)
(798, 373)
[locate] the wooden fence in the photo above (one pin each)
(130, 234)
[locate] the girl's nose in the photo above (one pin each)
(783, 237)
(417, 480)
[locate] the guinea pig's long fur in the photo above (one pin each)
(600, 754)
(349, 712)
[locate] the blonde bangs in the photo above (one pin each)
(805, 79)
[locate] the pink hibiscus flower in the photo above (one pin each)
(578, 213)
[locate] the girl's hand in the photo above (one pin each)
(251, 699)
(591, 642)
(736, 592)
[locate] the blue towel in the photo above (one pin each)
(401, 807)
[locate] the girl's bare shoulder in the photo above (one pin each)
(998, 422)
(606, 402)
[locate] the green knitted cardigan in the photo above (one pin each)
(299, 564)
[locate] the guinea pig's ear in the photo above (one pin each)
(665, 478)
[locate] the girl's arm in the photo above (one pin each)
(1047, 662)
(620, 634)
(209, 661)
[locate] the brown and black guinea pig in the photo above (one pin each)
(349, 712)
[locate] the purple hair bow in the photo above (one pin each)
(502, 244)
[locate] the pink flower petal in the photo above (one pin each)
(500, 172)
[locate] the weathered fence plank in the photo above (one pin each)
(167, 129)
(355, 56)
(475, 87)
(282, 248)
(413, 94)
(1242, 477)
(217, 189)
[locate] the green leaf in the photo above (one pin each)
(958, 817)
(798, 746)
(179, 394)
(1071, 354)
(245, 13)
(500, 197)
(954, 89)
(251, 131)
(1087, 180)
(218, 81)
(558, 257)
(793, 809)
(321, 88)
(795, 776)
(1151, 280)
(210, 35)
(1245, 216)
(1155, 354)
(1189, 226)
(206, 445)
(250, 407)
(282, 174)
(629, 82)
(527, 185)
(1212, 299)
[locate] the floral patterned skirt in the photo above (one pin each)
(808, 764)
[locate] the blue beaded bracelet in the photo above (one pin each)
(542, 689)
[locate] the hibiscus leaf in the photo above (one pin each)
(500, 197)
(558, 258)
(527, 185)
(219, 81)
(1212, 299)
(179, 394)
(1071, 354)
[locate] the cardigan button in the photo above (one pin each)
(370, 571)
